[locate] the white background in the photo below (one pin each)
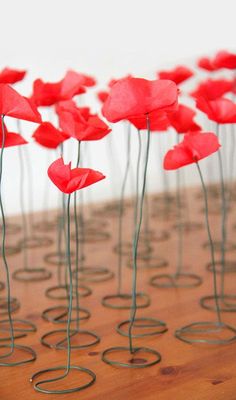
(105, 38)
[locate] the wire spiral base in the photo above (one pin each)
(94, 274)
(24, 349)
(227, 303)
(150, 326)
(74, 334)
(60, 292)
(34, 242)
(59, 314)
(14, 305)
(181, 280)
(21, 328)
(141, 357)
(151, 262)
(35, 274)
(115, 301)
(39, 388)
(206, 333)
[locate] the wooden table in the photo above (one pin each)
(196, 372)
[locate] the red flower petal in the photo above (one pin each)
(157, 119)
(46, 94)
(80, 79)
(8, 75)
(182, 119)
(212, 89)
(135, 97)
(79, 123)
(177, 75)
(71, 85)
(222, 111)
(14, 105)
(225, 59)
(102, 95)
(69, 180)
(48, 136)
(193, 148)
(11, 139)
(206, 63)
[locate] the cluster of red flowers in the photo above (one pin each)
(146, 104)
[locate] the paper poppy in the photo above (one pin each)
(81, 79)
(48, 94)
(69, 180)
(11, 138)
(10, 76)
(48, 136)
(113, 80)
(71, 106)
(225, 59)
(194, 147)
(206, 63)
(221, 110)
(12, 104)
(182, 120)
(71, 85)
(211, 89)
(102, 95)
(158, 122)
(136, 97)
(178, 74)
(79, 123)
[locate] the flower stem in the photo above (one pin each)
(70, 284)
(3, 250)
(179, 223)
(23, 216)
(216, 298)
(137, 179)
(77, 248)
(121, 210)
(223, 218)
(136, 240)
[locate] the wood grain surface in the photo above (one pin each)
(196, 372)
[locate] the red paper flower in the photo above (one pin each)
(79, 123)
(136, 97)
(81, 79)
(158, 122)
(206, 63)
(183, 119)
(194, 147)
(113, 81)
(212, 89)
(12, 104)
(48, 136)
(8, 75)
(48, 94)
(71, 106)
(225, 59)
(69, 180)
(72, 85)
(222, 111)
(178, 74)
(11, 139)
(102, 95)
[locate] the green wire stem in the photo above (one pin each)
(77, 247)
(4, 242)
(223, 217)
(211, 244)
(136, 240)
(121, 212)
(180, 227)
